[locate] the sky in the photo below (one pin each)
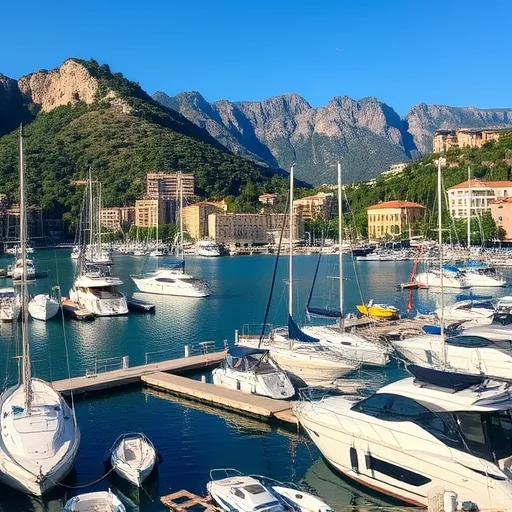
(401, 51)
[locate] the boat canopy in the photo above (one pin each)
(171, 266)
(328, 313)
(295, 333)
(451, 268)
(238, 358)
(238, 351)
(472, 296)
(443, 379)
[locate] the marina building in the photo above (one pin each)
(444, 140)
(481, 193)
(117, 219)
(501, 211)
(146, 211)
(251, 228)
(166, 185)
(195, 217)
(393, 218)
(321, 205)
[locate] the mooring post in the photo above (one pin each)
(187, 351)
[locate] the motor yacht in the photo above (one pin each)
(433, 279)
(483, 276)
(252, 371)
(414, 437)
(468, 310)
(96, 290)
(208, 248)
(17, 270)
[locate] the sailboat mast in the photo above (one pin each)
(182, 251)
(26, 374)
(340, 239)
(290, 259)
(90, 214)
(440, 241)
(469, 210)
(99, 220)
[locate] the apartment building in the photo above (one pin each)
(146, 211)
(117, 219)
(480, 193)
(267, 199)
(445, 140)
(195, 217)
(501, 211)
(393, 218)
(166, 185)
(321, 205)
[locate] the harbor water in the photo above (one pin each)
(193, 438)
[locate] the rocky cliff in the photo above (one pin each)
(367, 135)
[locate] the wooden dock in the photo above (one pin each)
(252, 405)
(125, 376)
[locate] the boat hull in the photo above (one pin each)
(43, 308)
(100, 307)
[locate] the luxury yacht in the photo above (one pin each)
(468, 310)
(171, 280)
(433, 280)
(208, 248)
(96, 290)
(482, 276)
(418, 435)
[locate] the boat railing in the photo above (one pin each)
(254, 330)
(196, 349)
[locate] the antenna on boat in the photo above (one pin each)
(26, 373)
(440, 241)
(340, 238)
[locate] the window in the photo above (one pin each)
(396, 472)
(468, 341)
(472, 427)
(377, 405)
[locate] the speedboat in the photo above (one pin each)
(481, 275)
(467, 353)
(102, 501)
(251, 370)
(432, 279)
(17, 270)
(372, 310)
(171, 280)
(133, 457)
(350, 346)
(468, 310)
(421, 436)
(9, 305)
(43, 306)
(235, 491)
(208, 248)
(96, 290)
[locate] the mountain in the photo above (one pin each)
(366, 134)
(82, 115)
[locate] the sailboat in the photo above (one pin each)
(349, 345)
(95, 288)
(301, 355)
(172, 279)
(40, 436)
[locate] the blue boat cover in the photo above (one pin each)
(295, 332)
(444, 379)
(329, 313)
(179, 264)
(474, 264)
(238, 351)
(431, 329)
(451, 268)
(473, 296)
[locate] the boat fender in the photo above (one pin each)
(354, 462)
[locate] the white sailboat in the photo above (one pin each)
(40, 436)
(349, 345)
(172, 279)
(45, 306)
(95, 288)
(301, 355)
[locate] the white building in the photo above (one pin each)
(481, 193)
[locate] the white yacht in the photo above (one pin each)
(40, 436)
(101, 501)
(96, 290)
(252, 371)
(9, 305)
(44, 306)
(17, 270)
(414, 438)
(483, 276)
(133, 457)
(433, 279)
(171, 280)
(208, 248)
(476, 311)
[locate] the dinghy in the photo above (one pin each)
(133, 457)
(251, 370)
(236, 491)
(104, 501)
(378, 310)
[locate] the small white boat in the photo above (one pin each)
(250, 493)
(252, 371)
(476, 311)
(9, 305)
(103, 501)
(208, 248)
(17, 271)
(156, 253)
(133, 457)
(44, 306)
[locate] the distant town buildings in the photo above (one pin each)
(146, 211)
(252, 228)
(321, 205)
(117, 219)
(393, 218)
(395, 169)
(195, 217)
(444, 140)
(267, 199)
(166, 185)
(482, 193)
(501, 211)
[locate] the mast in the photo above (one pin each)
(340, 239)
(90, 214)
(182, 251)
(26, 373)
(99, 220)
(469, 211)
(440, 241)
(290, 259)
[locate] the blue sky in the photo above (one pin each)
(403, 52)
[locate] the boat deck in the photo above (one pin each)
(182, 501)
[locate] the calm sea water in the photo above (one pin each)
(193, 438)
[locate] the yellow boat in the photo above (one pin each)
(384, 311)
